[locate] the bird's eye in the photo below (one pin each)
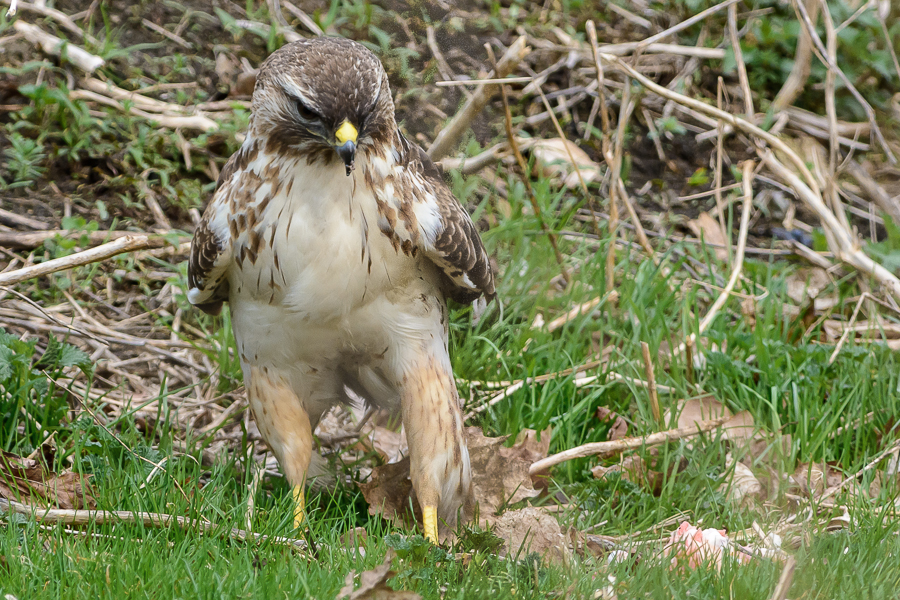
(305, 112)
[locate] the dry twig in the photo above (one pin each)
(126, 244)
(603, 449)
(157, 520)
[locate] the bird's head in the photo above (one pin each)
(322, 99)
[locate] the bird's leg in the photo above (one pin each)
(284, 424)
(439, 460)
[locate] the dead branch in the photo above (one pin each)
(17, 220)
(874, 191)
(603, 449)
(651, 385)
(796, 81)
(55, 46)
(147, 519)
(129, 243)
(832, 66)
(60, 17)
(524, 173)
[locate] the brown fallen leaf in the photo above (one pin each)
(388, 493)
(26, 480)
(390, 445)
(740, 429)
(619, 427)
(634, 469)
(697, 410)
(808, 283)
(707, 228)
(373, 585)
(531, 529)
(552, 158)
(743, 486)
(499, 477)
(500, 474)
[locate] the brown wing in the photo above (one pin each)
(211, 249)
(207, 284)
(457, 248)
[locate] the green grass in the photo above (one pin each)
(770, 365)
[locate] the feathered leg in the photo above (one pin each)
(439, 459)
(284, 424)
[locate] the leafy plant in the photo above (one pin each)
(27, 387)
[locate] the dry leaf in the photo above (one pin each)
(388, 493)
(531, 529)
(390, 445)
(697, 410)
(743, 486)
(373, 585)
(500, 475)
(634, 469)
(740, 429)
(708, 229)
(806, 283)
(619, 427)
(26, 480)
(553, 160)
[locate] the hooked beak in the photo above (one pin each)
(346, 144)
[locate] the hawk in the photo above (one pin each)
(337, 244)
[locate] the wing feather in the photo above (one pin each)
(454, 244)
(212, 250)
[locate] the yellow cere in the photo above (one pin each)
(346, 133)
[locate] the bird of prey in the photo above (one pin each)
(337, 244)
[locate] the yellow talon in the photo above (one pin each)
(429, 518)
(299, 505)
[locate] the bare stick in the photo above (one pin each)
(689, 358)
(796, 81)
(831, 187)
(562, 136)
(741, 246)
(523, 167)
(55, 46)
(608, 448)
(581, 309)
(157, 520)
(729, 118)
(738, 259)
(720, 148)
(874, 191)
(848, 329)
(450, 135)
(651, 385)
(11, 218)
(739, 59)
(604, 144)
(846, 246)
(700, 16)
(60, 17)
(100, 253)
(784, 582)
(823, 56)
(886, 452)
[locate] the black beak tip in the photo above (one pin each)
(347, 152)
